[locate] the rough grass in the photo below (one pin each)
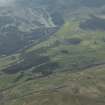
(83, 87)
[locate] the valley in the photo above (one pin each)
(52, 53)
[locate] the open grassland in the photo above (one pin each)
(73, 47)
(78, 53)
(84, 87)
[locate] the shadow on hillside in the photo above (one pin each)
(95, 23)
(39, 63)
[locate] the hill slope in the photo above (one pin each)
(52, 54)
(85, 87)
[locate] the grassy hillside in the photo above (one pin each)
(85, 87)
(65, 68)
(72, 47)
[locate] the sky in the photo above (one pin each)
(6, 2)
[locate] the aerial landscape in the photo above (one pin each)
(52, 52)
